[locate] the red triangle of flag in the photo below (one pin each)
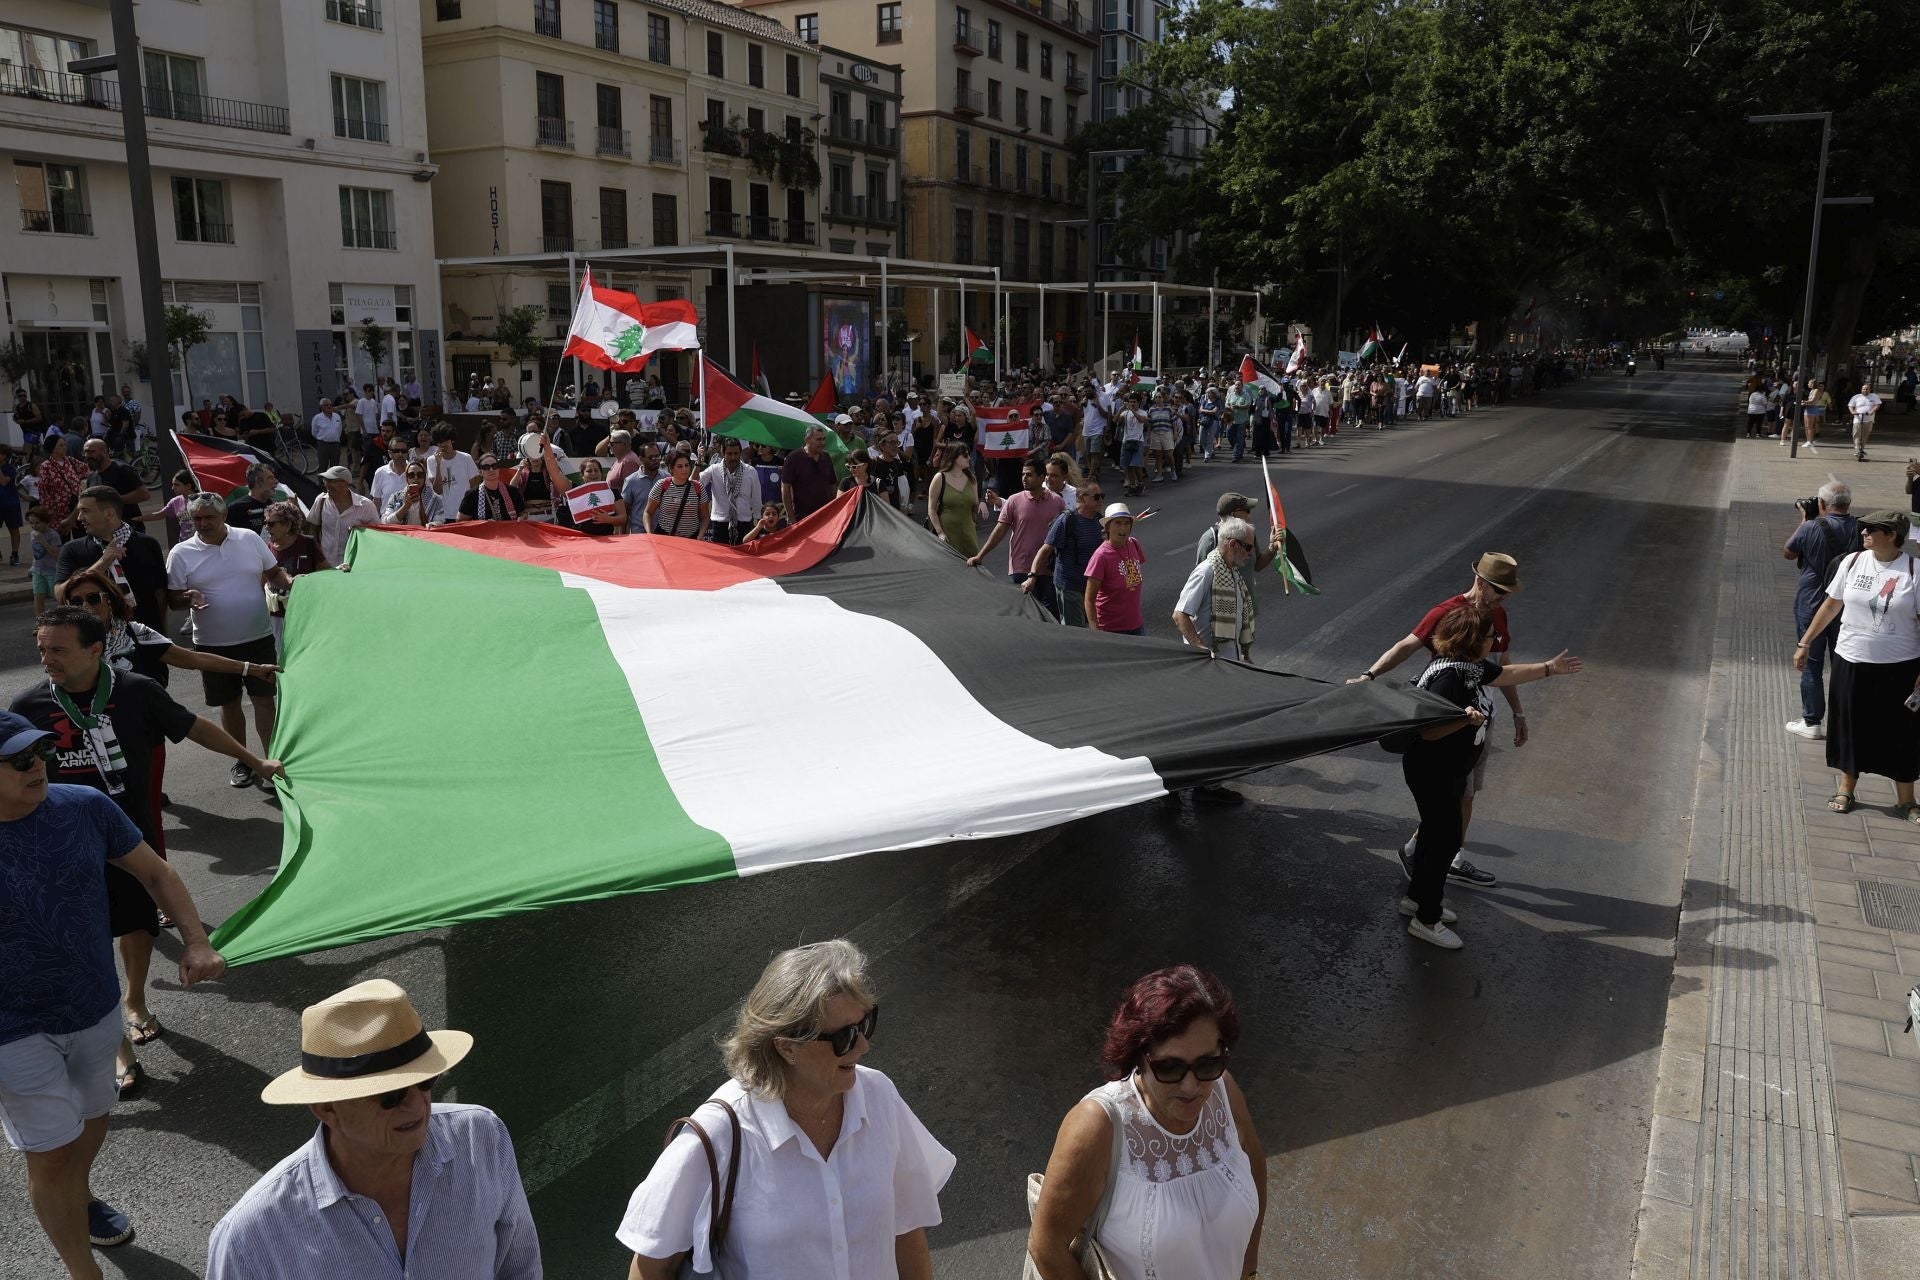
(721, 396)
(823, 399)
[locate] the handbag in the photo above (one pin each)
(722, 1216)
(1093, 1263)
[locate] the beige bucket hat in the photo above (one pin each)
(364, 1041)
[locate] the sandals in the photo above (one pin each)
(1911, 812)
(1841, 802)
(129, 1082)
(144, 1031)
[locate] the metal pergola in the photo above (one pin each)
(772, 264)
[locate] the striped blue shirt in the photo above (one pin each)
(467, 1216)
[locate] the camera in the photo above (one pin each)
(1809, 508)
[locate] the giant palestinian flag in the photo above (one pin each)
(592, 719)
(220, 465)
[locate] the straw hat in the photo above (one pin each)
(364, 1041)
(1115, 511)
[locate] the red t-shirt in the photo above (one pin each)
(1501, 640)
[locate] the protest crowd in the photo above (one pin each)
(1159, 1170)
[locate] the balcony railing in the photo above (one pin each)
(863, 208)
(609, 141)
(721, 139)
(996, 180)
(360, 130)
(762, 226)
(369, 238)
(664, 150)
(969, 102)
(660, 52)
(58, 222)
(967, 175)
(546, 21)
(861, 133)
(1074, 82)
(720, 222)
(163, 104)
(205, 233)
(556, 244)
(965, 39)
(354, 14)
(799, 231)
(552, 131)
(1070, 15)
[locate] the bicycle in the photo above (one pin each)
(289, 448)
(145, 459)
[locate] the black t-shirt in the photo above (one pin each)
(143, 571)
(813, 482)
(141, 714)
(885, 474)
(1463, 685)
(249, 512)
(125, 480)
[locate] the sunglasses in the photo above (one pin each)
(1174, 1070)
(489, 466)
(394, 1097)
(1244, 543)
(23, 761)
(91, 597)
(841, 1040)
(416, 475)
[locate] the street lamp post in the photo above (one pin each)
(1093, 228)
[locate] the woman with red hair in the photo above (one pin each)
(1161, 1167)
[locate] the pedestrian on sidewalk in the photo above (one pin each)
(1876, 664)
(1865, 408)
(1826, 532)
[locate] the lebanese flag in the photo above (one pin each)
(824, 400)
(974, 348)
(729, 409)
(1299, 356)
(1005, 435)
(614, 330)
(1253, 371)
(585, 500)
(1291, 563)
(596, 719)
(219, 465)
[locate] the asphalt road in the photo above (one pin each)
(1479, 1114)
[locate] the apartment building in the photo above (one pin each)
(579, 126)
(860, 141)
(992, 90)
(290, 177)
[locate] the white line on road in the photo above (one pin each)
(1433, 457)
(1495, 436)
(1342, 489)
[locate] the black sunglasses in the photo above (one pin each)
(1174, 1070)
(92, 597)
(394, 1097)
(22, 761)
(841, 1040)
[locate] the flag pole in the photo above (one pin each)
(586, 282)
(1273, 522)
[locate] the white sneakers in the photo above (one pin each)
(1439, 935)
(1801, 729)
(1410, 908)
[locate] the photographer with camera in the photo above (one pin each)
(1826, 532)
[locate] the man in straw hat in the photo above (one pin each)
(1496, 576)
(59, 995)
(390, 1185)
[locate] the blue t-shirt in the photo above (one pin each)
(56, 954)
(1074, 538)
(1819, 544)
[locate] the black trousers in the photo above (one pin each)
(1437, 794)
(731, 532)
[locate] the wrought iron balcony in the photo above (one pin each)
(721, 222)
(662, 149)
(609, 141)
(360, 130)
(969, 102)
(58, 222)
(552, 131)
(556, 244)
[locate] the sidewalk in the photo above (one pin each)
(1786, 1131)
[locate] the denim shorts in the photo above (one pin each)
(1133, 453)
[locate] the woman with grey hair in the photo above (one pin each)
(838, 1178)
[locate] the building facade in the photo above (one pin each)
(290, 179)
(581, 126)
(860, 102)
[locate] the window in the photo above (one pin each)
(1046, 114)
(366, 218)
(558, 303)
(963, 236)
(793, 75)
(613, 218)
(546, 18)
(757, 65)
(757, 119)
(606, 25)
(52, 198)
(1046, 61)
(359, 109)
(550, 110)
(716, 55)
(1073, 119)
(993, 162)
(556, 217)
(660, 116)
(1044, 251)
(1073, 66)
(963, 154)
(996, 238)
(1020, 167)
(173, 85)
(759, 215)
(1046, 173)
(1021, 237)
(606, 103)
(200, 211)
(993, 99)
(354, 13)
(993, 39)
(716, 116)
(799, 230)
(1020, 50)
(963, 27)
(877, 122)
(666, 221)
(793, 128)
(659, 39)
(1020, 107)
(889, 22)
(807, 27)
(839, 110)
(839, 186)
(447, 10)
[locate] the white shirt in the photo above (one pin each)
(453, 474)
(1880, 612)
(1093, 423)
(1425, 386)
(335, 525)
(386, 483)
(388, 409)
(1757, 402)
(369, 411)
(1864, 405)
(473, 404)
(744, 502)
(228, 575)
(326, 426)
(795, 1214)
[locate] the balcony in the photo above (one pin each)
(359, 130)
(761, 226)
(799, 231)
(721, 139)
(966, 41)
(354, 14)
(368, 238)
(56, 222)
(552, 131)
(1074, 82)
(1069, 16)
(723, 222)
(664, 150)
(205, 233)
(546, 20)
(967, 175)
(609, 141)
(660, 51)
(845, 206)
(861, 133)
(969, 102)
(556, 244)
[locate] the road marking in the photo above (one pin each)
(606, 1116)
(1342, 489)
(1433, 457)
(1495, 436)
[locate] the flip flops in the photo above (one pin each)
(144, 1030)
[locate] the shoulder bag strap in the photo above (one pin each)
(713, 1174)
(724, 1219)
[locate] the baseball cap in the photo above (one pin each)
(17, 733)
(336, 473)
(1231, 502)
(844, 420)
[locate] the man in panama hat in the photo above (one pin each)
(391, 1184)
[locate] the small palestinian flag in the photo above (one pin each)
(760, 374)
(586, 499)
(1253, 371)
(976, 351)
(614, 330)
(1006, 431)
(1138, 362)
(729, 409)
(219, 465)
(821, 404)
(1371, 347)
(1291, 563)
